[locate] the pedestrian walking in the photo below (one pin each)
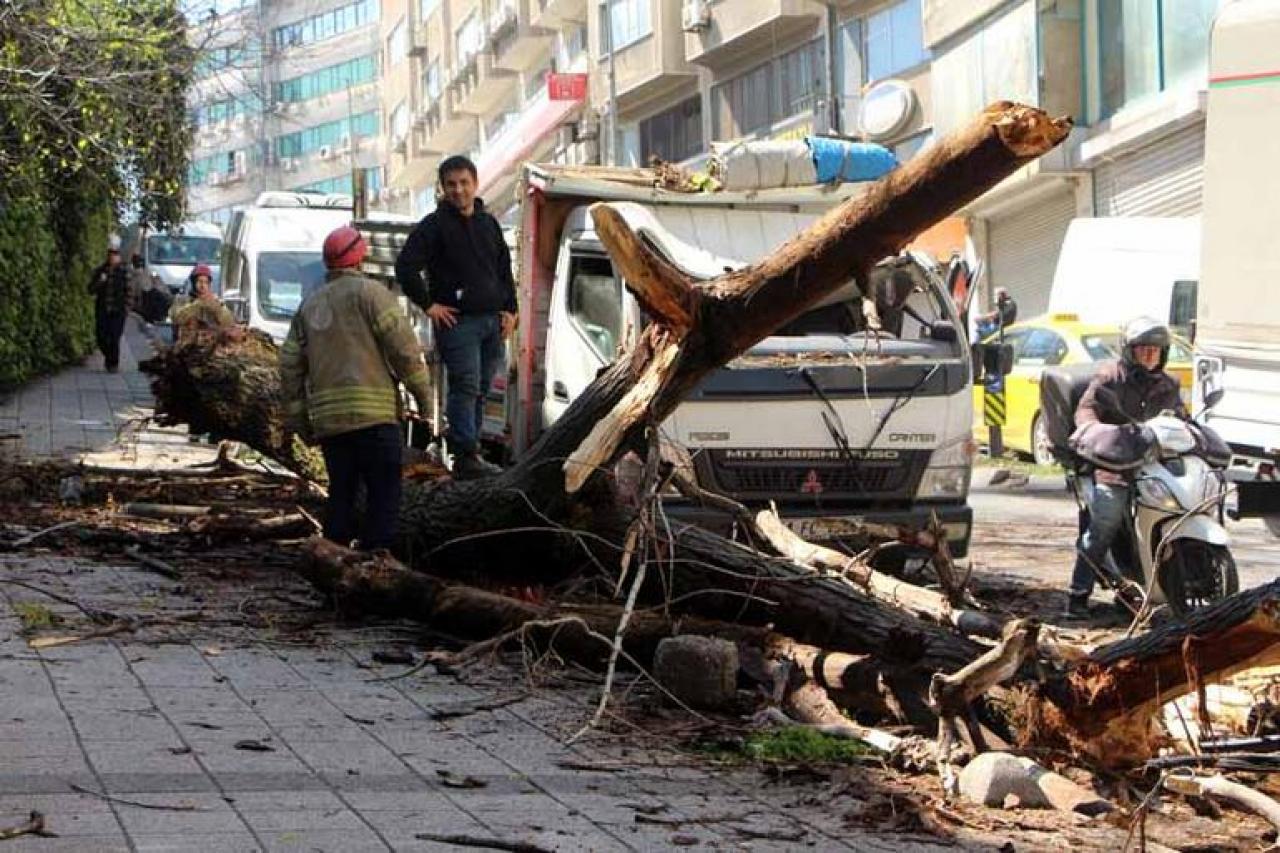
(110, 288)
(470, 296)
(347, 346)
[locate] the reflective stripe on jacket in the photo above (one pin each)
(347, 345)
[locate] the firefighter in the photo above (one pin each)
(348, 345)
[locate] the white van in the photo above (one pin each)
(1116, 268)
(272, 256)
(169, 256)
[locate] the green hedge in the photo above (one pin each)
(48, 248)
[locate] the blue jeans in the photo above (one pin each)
(370, 456)
(473, 351)
(1107, 507)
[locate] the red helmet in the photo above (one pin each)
(344, 248)
(201, 270)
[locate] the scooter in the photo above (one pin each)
(1173, 548)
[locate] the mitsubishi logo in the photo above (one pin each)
(811, 485)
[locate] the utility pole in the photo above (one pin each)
(359, 186)
(832, 31)
(615, 130)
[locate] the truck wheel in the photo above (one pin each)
(1196, 574)
(1041, 446)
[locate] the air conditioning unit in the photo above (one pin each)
(241, 162)
(695, 16)
(289, 164)
(325, 152)
(344, 145)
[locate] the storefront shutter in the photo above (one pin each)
(1164, 178)
(1023, 248)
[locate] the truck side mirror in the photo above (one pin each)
(239, 308)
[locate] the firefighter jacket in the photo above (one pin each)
(348, 344)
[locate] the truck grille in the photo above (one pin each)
(821, 477)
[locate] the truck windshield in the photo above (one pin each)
(165, 249)
(285, 279)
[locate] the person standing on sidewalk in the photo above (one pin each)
(470, 296)
(348, 344)
(110, 288)
(204, 313)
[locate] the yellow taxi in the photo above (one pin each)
(1047, 341)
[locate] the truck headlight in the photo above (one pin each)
(948, 473)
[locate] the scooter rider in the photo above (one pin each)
(1125, 392)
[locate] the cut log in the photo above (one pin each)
(1107, 704)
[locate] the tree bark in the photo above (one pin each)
(1107, 704)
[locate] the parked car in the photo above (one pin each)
(1051, 340)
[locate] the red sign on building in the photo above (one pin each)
(567, 87)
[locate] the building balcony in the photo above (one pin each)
(716, 33)
(441, 130)
(553, 13)
(477, 86)
(516, 43)
(648, 72)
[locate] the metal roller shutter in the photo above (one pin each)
(1165, 178)
(1023, 249)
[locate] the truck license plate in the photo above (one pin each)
(826, 528)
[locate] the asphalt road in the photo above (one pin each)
(1028, 531)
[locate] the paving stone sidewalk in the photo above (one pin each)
(208, 735)
(87, 413)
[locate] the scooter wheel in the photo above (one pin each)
(1195, 574)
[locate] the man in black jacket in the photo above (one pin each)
(470, 297)
(110, 288)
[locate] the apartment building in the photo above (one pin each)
(1133, 75)
(287, 98)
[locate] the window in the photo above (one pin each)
(769, 93)
(325, 25)
(1147, 46)
(1042, 347)
(398, 43)
(995, 62)
(469, 39)
(673, 135)
(324, 81)
(595, 303)
(894, 40)
(622, 23)
(285, 279)
(331, 133)
(399, 124)
(342, 183)
(1182, 307)
(431, 83)
(571, 43)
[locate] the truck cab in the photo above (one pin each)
(840, 425)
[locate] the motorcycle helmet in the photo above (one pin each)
(1145, 332)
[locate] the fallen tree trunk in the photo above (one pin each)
(557, 497)
(1108, 703)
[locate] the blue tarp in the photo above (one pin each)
(840, 160)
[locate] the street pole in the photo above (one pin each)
(615, 131)
(359, 188)
(833, 100)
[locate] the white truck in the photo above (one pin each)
(835, 426)
(271, 256)
(1238, 312)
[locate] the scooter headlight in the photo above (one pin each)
(1155, 493)
(1215, 486)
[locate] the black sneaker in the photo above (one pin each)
(1077, 607)
(471, 466)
